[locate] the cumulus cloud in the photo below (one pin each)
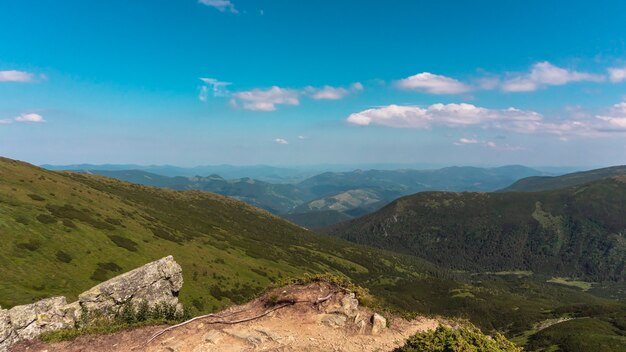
(617, 74)
(511, 119)
(265, 99)
(222, 5)
(433, 84)
(213, 86)
(30, 118)
(615, 119)
(452, 115)
(544, 74)
(281, 141)
(16, 76)
(333, 93)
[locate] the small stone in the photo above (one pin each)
(361, 324)
(250, 337)
(334, 320)
(378, 323)
(213, 336)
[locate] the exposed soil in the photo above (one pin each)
(290, 320)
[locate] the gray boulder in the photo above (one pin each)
(31, 320)
(155, 283)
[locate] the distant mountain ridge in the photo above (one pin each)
(330, 197)
(545, 183)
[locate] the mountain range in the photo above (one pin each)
(330, 197)
(63, 232)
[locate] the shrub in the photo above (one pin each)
(128, 316)
(69, 223)
(102, 271)
(31, 245)
(124, 242)
(462, 339)
(46, 219)
(22, 220)
(63, 257)
(36, 197)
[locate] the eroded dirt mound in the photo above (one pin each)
(315, 317)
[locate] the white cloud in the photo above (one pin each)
(465, 141)
(332, 93)
(491, 144)
(544, 74)
(615, 119)
(433, 84)
(5, 121)
(222, 5)
(488, 144)
(303, 137)
(281, 141)
(452, 115)
(16, 76)
(617, 74)
(265, 100)
(30, 118)
(217, 88)
(514, 120)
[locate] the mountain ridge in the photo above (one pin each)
(545, 183)
(322, 199)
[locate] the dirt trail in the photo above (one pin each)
(336, 324)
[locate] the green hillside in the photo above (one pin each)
(577, 232)
(64, 232)
(545, 183)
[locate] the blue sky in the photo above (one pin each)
(190, 82)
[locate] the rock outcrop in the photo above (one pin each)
(154, 283)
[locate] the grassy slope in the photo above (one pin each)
(576, 232)
(63, 232)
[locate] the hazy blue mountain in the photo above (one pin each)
(260, 172)
(403, 182)
(276, 198)
(330, 197)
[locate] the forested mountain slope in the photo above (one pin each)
(578, 232)
(545, 183)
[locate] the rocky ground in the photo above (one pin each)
(316, 317)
